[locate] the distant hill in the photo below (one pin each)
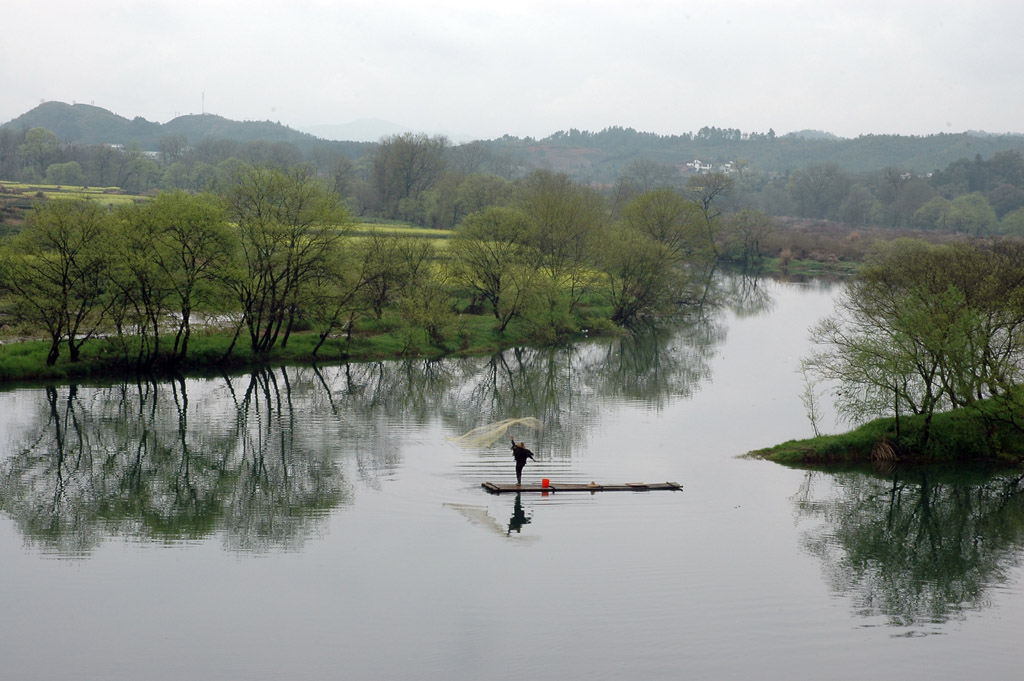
(87, 124)
(597, 157)
(600, 157)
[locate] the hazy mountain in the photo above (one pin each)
(589, 156)
(87, 124)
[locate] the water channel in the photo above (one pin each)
(319, 523)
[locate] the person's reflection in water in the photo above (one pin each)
(519, 517)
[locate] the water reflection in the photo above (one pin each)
(260, 459)
(917, 547)
(746, 295)
(519, 517)
(130, 460)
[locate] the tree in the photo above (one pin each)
(172, 148)
(175, 176)
(1013, 223)
(912, 195)
(924, 328)
(290, 228)
(55, 267)
(393, 267)
(748, 230)
(135, 172)
(1005, 198)
(10, 158)
(818, 189)
(177, 247)
(934, 214)
(102, 165)
(707, 189)
(69, 173)
(404, 166)
(490, 258)
(333, 295)
(677, 223)
(856, 207)
(564, 220)
(637, 272)
(39, 146)
(972, 214)
(470, 158)
(645, 175)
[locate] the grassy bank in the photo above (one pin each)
(979, 434)
(389, 338)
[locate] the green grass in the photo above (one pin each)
(107, 195)
(388, 338)
(980, 434)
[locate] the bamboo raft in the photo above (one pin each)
(495, 488)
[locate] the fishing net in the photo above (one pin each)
(488, 434)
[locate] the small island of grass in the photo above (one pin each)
(985, 433)
(926, 349)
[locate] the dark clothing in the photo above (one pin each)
(521, 454)
(519, 517)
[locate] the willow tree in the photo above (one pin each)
(638, 274)
(290, 228)
(177, 245)
(673, 220)
(490, 257)
(565, 220)
(56, 270)
(924, 328)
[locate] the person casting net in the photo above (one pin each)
(521, 454)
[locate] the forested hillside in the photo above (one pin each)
(601, 156)
(589, 156)
(966, 182)
(83, 124)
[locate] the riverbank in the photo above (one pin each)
(983, 434)
(24, 361)
(23, 358)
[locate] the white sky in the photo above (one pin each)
(529, 67)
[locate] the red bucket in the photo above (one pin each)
(545, 483)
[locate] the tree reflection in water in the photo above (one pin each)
(127, 460)
(258, 459)
(917, 547)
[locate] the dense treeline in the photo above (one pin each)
(273, 253)
(428, 181)
(976, 197)
(601, 156)
(36, 155)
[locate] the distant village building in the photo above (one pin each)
(698, 166)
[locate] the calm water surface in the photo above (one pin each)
(319, 524)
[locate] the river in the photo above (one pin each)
(320, 523)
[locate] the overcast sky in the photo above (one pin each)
(485, 68)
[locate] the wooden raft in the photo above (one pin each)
(495, 488)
